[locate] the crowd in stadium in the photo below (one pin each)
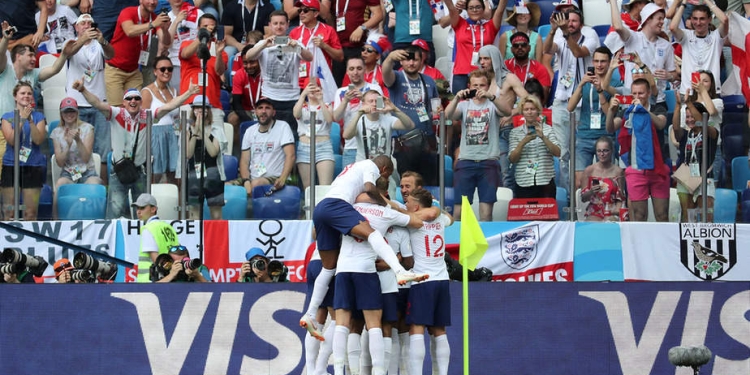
(375, 78)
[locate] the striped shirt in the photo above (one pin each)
(536, 166)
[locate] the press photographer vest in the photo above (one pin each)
(164, 236)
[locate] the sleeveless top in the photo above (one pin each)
(156, 103)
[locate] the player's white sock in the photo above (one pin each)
(326, 349)
(387, 354)
(320, 289)
(416, 353)
(353, 350)
(395, 353)
(377, 351)
(433, 355)
(443, 354)
(404, 360)
(384, 251)
(365, 360)
(339, 349)
(312, 347)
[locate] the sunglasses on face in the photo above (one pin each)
(305, 10)
(164, 69)
(129, 98)
(520, 45)
(604, 151)
(475, 8)
(637, 71)
(368, 50)
(178, 248)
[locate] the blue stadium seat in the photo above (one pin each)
(283, 204)
(44, 211)
(435, 190)
(336, 137)
(547, 8)
(226, 97)
(562, 202)
(235, 204)
(338, 159)
(81, 202)
(243, 128)
(734, 103)
(740, 174)
(671, 100)
(543, 31)
(725, 206)
(601, 30)
(231, 167)
(50, 127)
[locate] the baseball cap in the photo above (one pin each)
(263, 100)
(131, 92)
(61, 265)
(254, 252)
(314, 4)
(421, 44)
(198, 101)
(144, 200)
(649, 10)
(85, 17)
(566, 3)
(68, 103)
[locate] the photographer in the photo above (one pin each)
(13, 275)
(258, 268)
(18, 267)
(65, 273)
(182, 268)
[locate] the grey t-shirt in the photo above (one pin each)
(480, 138)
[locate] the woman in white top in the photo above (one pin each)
(164, 133)
(311, 100)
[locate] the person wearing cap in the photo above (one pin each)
(413, 20)
(312, 34)
(574, 51)
(631, 18)
(524, 17)
(701, 47)
(352, 28)
(135, 48)
(376, 46)
(63, 268)
(268, 150)
(178, 272)
(128, 129)
(192, 67)
(157, 236)
(522, 64)
(426, 69)
(31, 159)
(205, 148)
(255, 268)
(73, 142)
(60, 22)
(472, 34)
(86, 56)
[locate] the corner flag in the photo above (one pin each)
(472, 244)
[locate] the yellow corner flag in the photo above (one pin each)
(473, 244)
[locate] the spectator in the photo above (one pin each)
(371, 126)
(524, 18)
(594, 102)
(691, 148)
(157, 236)
(204, 154)
(533, 147)
(646, 173)
(183, 26)
(477, 167)
(414, 20)
(632, 17)
(106, 13)
(310, 101)
(412, 92)
(574, 51)
(30, 158)
(279, 66)
(60, 22)
(134, 53)
(268, 154)
(180, 273)
(165, 147)
(21, 14)
(523, 66)
(127, 128)
(312, 34)
(73, 142)
(242, 17)
(352, 29)
(701, 48)
(427, 69)
(62, 268)
(564, 7)
(602, 184)
(246, 91)
(90, 65)
(216, 65)
(349, 101)
(375, 47)
(471, 35)
(256, 268)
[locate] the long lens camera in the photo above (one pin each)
(36, 264)
(81, 275)
(259, 264)
(191, 264)
(9, 268)
(105, 270)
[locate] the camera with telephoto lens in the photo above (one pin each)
(36, 264)
(191, 264)
(258, 264)
(84, 276)
(105, 270)
(277, 271)
(11, 268)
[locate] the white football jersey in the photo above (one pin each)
(351, 181)
(428, 246)
(398, 238)
(356, 254)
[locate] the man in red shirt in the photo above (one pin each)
(349, 18)
(524, 67)
(427, 70)
(134, 35)
(192, 67)
(313, 33)
(245, 93)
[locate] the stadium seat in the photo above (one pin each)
(338, 167)
(282, 204)
(50, 127)
(440, 41)
(44, 211)
(231, 167)
(445, 66)
(601, 30)
(725, 206)
(167, 197)
(53, 95)
(320, 192)
(225, 101)
(745, 211)
(58, 80)
(449, 196)
(448, 170)
(235, 203)
(732, 141)
(56, 170)
(81, 202)
(740, 174)
(500, 209)
(547, 8)
(671, 100)
(734, 104)
(229, 133)
(543, 31)
(562, 202)
(336, 137)
(243, 128)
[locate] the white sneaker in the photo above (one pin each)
(308, 323)
(405, 276)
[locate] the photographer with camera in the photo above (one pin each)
(18, 267)
(66, 273)
(15, 274)
(180, 268)
(259, 269)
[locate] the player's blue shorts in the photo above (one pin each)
(390, 307)
(333, 217)
(403, 300)
(430, 304)
(358, 291)
(313, 270)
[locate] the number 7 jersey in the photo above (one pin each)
(428, 247)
